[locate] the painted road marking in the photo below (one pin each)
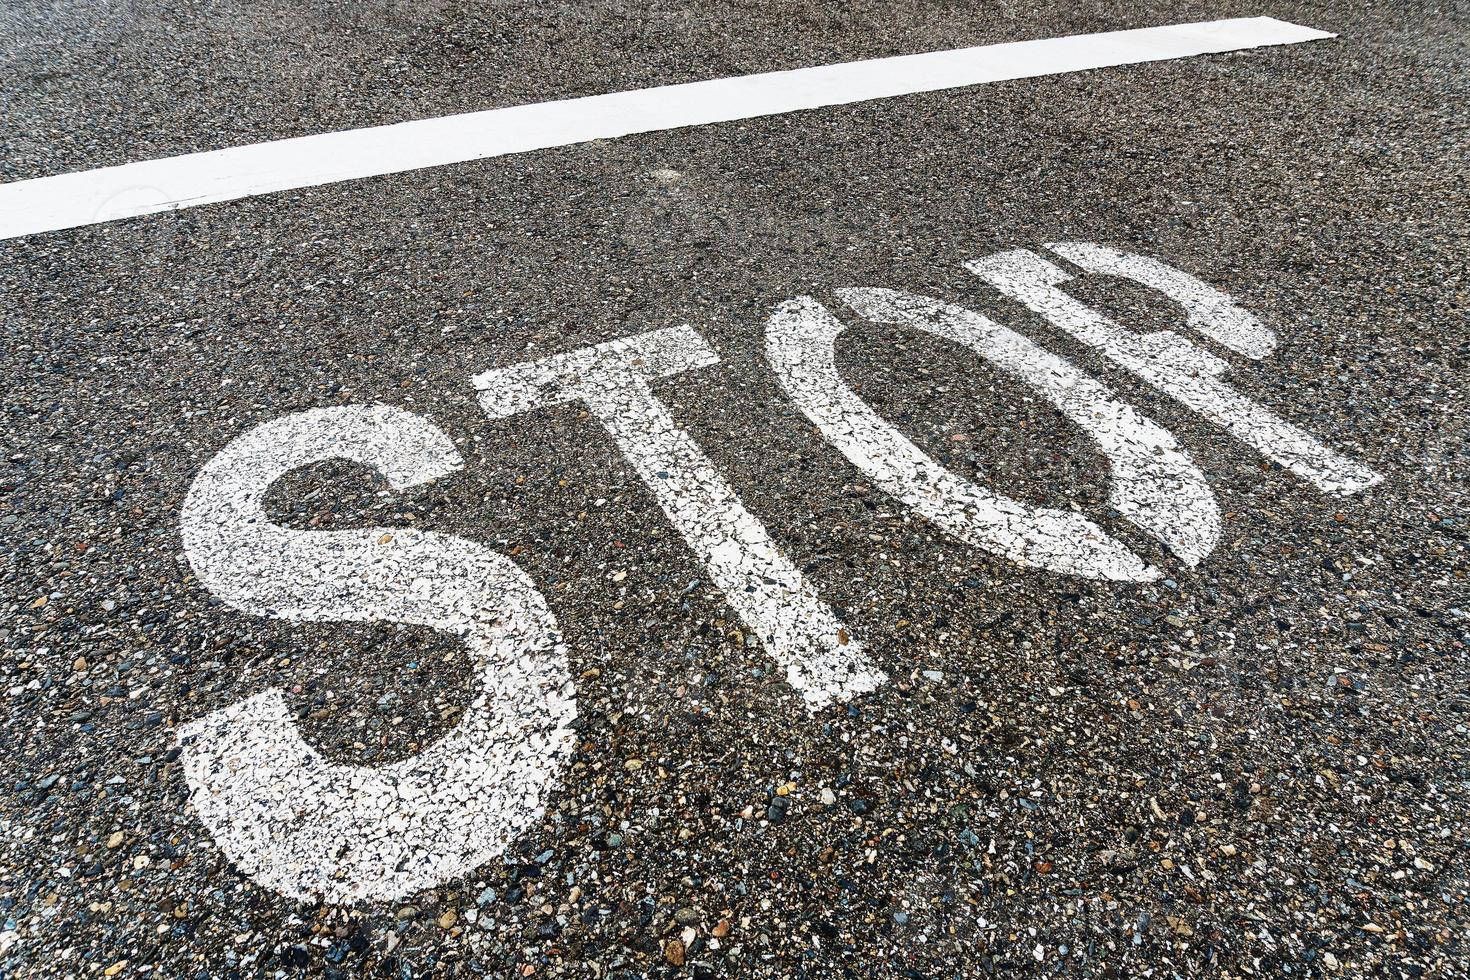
(169, 184)
(305, 827)
(1155, 486)
(286, 816)
(798, 630)
(1167, 361)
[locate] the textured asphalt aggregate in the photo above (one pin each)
(1255, 767)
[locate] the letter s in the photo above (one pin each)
(290, 819)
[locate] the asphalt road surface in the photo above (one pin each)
(1012, 529)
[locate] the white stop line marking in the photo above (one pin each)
(154, 186)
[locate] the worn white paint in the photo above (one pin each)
(154, 186)
(1154, 485)
(798, 630)
(1206, 309)
(1169, 362)
(287, 817)
(312, 829)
